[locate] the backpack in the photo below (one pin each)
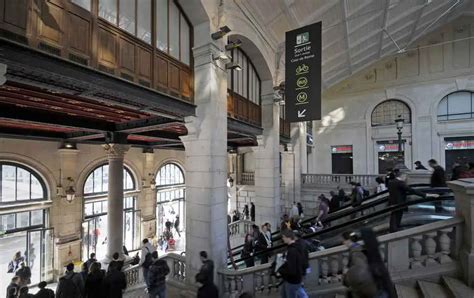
(366, 193)
(148, 259)
(158, 272)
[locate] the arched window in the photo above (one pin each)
(98, 181)
(458, 105)
(19, 183)
(245, 82)
(388, 111)
(96, 208)
(170, 198)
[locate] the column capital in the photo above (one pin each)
(116, 151)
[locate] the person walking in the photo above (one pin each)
(157, 277)
(45, 292)
(252, 211)
(91, 260)
(398, 190)
(300, 209)
(70, 285)
(206, 278)
(13, 289)
(14, 264)
(261, 245)
(334, 203)
(323, 208)
(292, 270)
(247, 251)
(285, 223)
(419, 166)
(24, 272)
(438, 179)
(114, 282)
(245, 212)
(94, 281)
(294, 210)
(146, 259)
(176, 225)
(380, 185)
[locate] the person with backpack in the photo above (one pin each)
(43, 291)
(24, 273)
(91, 260)
(94, 281)
(13, 289)
(206, 278)
(292, 270)
(116, 261)
(114, 283)
(70, 285)
(146, 259)
(157, 277)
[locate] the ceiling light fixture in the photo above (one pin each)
(233, 66)
(221, 33)
(233, 44)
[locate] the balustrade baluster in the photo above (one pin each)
(416, 249)
(445, 246)
(324, 270)
(334, 264)
(345, 262)
(430, 248)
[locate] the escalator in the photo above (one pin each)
(373, 212)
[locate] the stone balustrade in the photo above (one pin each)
(240, 228)
(246, 178)
(409, 254)
(333, 180)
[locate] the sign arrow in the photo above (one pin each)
(301, 113)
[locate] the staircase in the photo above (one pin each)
(448, 287)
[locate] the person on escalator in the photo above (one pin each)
(390, 175)
(398, 190)
(247, 251)
(334, 202)
(323, 209)
(285, 223)
(380, 185)
(438, 179)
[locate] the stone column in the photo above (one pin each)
(267, 163)
(147, 201)
(291, 190)
(464, 196)
(115, 155)
(298, 151)
(206, 161)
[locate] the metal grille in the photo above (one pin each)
(388, 111)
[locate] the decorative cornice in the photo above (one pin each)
(116, 151)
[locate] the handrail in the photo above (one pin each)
(357, 220)
(337, 214)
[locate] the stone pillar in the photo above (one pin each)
(147, 201)
(115, 155)
(288, 172)
(298, 151)
(66, 217)
(206, 161)
(267, 163)
(464, 197)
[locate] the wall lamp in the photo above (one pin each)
(221, 56)
(68, 145)
(221, 33)
(233, 44)
(233, 66)
(70, 193)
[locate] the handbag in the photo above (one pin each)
(11, 267)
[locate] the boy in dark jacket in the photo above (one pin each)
(114, 282)
(44, 292)
(292, 271)
(157, 277)
(71, 284)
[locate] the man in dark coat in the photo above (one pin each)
(71, 284)
(252, 211)
(206, 278)
(157, 277)
(438, 179)
(44, 292)
(398, 190)
(293, 270)
(114, 282)
(13, 289)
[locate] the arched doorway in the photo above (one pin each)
(170, 199)
(24, 207)
(94, 227)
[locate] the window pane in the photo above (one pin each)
(22, 184)
(7, 222)
(37, 191)
(185, 44)
(86, 4)
(88, 209)
(443, 107)
(8, 184)
(22, 219)
(459, 103)
(162, 25)
(144, 20)
(174, 31)
(127, 16)
(108, 10)
(37, 217)
(89, 185)
(105, 178)
(98, 180)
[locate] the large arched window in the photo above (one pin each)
(19, 183)
(170, 198)
(245, 81)
(96, 207)
(388, 111)
(458, 105)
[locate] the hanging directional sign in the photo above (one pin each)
(303, 74)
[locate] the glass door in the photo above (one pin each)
(131, 229)
(39, 254)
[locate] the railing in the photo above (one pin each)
(240, 228)
(246, 178)
(338, 179)
(240, 108)
(431, 248)
(176, 263)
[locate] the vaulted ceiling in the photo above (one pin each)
(356, 33)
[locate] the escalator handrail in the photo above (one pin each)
(360, 219)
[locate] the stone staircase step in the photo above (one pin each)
(406, 292)
(457, 288)
(433, 290)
